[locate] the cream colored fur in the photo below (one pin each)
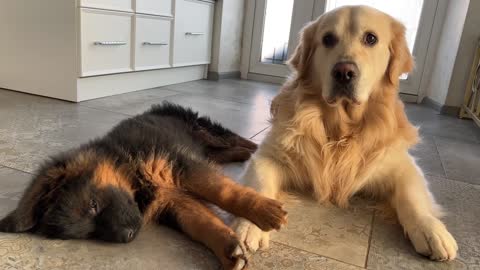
(337, 150)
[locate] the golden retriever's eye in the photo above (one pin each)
(329, 40)
(370, 39)
(93, 207)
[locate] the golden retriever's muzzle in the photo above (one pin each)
(345, 76)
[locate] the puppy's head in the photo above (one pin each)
(77, 198)
(349, 52)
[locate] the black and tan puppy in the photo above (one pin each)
(156, 167)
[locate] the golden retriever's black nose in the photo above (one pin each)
(345, 72)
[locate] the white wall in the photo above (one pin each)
(227, 40)
(31, 32)
(217, 34)
(446, 54)
(466, 50)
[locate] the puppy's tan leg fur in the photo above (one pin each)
(202, 225)
(236, 199)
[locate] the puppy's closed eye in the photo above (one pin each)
(93, 207)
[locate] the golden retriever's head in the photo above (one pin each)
(351, 51)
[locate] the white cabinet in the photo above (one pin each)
(155, 7)
(105, 42)
(121, 5)
(193, 32)
(83, 49)
(152, 42)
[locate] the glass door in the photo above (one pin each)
(275, 29)
(277, 23)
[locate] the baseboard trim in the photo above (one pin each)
(408, 98)
(265, 78)
(442, 109)
(450, 110)
(216, 76)
(432, 104)
(114, 84)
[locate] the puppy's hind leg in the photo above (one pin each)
(201, 224)
(221, 135)
(234, 154)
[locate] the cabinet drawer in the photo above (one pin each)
(156, 7)
(105, 42)
(193, 32)
(122, 5)
(152, 42)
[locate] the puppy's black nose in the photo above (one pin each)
(345, 72)
(128, 235)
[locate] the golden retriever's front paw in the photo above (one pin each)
(251, 237)
(431, 238)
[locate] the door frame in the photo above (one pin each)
(430, 48)
(302, 14)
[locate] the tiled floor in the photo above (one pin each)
(317, 237)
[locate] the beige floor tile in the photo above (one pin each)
(282, 257)
(155, 248)
(391, 250)
(327, 230)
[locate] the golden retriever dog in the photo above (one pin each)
(339, 128)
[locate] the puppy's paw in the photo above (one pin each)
(233, 256)
(268, 214)
(10, 224)
(431, 238)
(251, 237)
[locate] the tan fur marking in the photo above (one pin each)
(158, 171)
(106, 174)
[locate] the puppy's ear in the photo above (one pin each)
(25, 217)
(301, 58)
(401, 60)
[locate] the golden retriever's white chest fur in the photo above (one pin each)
(335, 161)
(335, 169)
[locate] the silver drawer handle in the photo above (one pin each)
(110, 43)
(155, 43)
(194, 33)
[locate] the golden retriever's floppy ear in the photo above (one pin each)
(401, 60)
(25, 217)
(301, 57)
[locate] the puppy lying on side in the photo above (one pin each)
(156, 167)
(339, 128)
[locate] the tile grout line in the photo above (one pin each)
(103, 110)
(453, 180)
(462, 140)
(124, 114)
(330, 258)
(440, 156)
(370, 238)
(15, 169)
(204, 95)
